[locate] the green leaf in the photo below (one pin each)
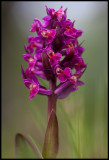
(24, 148)
(51, 142)
(33, 141)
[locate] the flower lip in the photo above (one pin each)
(54, 57)
(49, 35)
(70, 31)
(63, 75)
(33, 85)
(28, 58)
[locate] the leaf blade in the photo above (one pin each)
(24, 147)
(36, 146)
(51, 142)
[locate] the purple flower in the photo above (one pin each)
(76, 62)
(71, 85)
(70, 47)
(72, 32)
(73, 79)
(37, 54)
(54, 57)
(80, 50)
(59, 14)
(50, 11)
(33, 86)
(30, 59)
(31, 82)
(34, 42)
(36, 25)
(46, 21)
(55, 14)
(63, 90)
(54, 53)
(63, 75)
(49, 35)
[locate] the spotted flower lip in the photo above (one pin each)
(49, 35)
(28, 58)
(72, 32)
(76, 62)
(77, 50)
(63, 75)
(33, 86)
(70, 47)
(54, 57)
(54, 53)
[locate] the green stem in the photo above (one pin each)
(52, 99)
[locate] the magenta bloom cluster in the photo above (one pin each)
(54, 53)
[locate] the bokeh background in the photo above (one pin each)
(82, 115)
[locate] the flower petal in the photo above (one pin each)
(80, 83)
(62, 77)
(67, 71)
(28, 57)
(65, 92)
(23, 75)
(34, 91)
(28, 82)
(45, 92)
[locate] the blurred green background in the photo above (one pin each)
(83, 114)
